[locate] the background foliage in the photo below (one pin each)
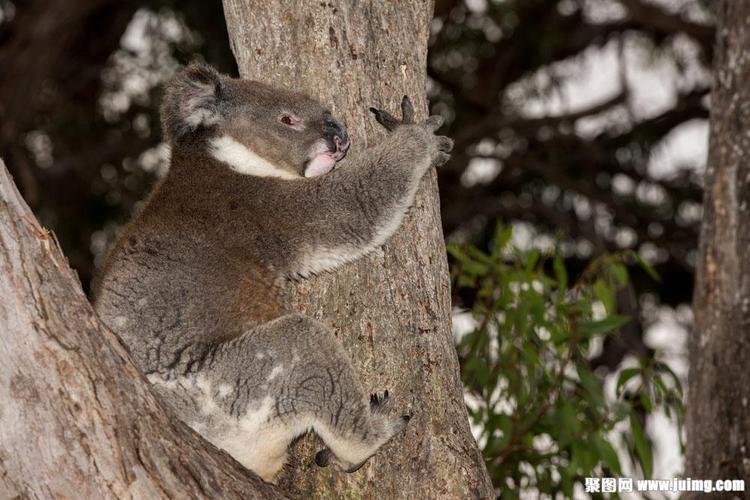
(544, 418)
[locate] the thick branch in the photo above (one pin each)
(717, 422)
(391, 309)
(77, 419)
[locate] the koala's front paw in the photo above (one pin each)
(438, 146)
(441, 145)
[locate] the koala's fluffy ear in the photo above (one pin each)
(191, 101)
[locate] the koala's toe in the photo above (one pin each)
(399, 424)
(380, 403)
(441, 159)
(434, 122)
(445, 144)
(385, 119)
(355, 468)
(407, 110)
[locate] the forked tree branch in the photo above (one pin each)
(77, 419)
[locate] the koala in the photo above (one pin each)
(193, 286)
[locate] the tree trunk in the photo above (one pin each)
(391, 309)
(718, 419)
(77, 419)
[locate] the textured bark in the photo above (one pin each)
(77, 420)
(392, 308)
(718, 420)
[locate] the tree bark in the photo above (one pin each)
(391, 309)
(77, 419)
(718, 420)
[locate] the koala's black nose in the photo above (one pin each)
(335, 133)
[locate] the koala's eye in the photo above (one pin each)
(291, 121)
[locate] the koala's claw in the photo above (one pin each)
(441, 159)
(380, 404)
(407, 111)
(385, 119)
(445, 144)
(400, 424)
(390, 122)
(434, 122)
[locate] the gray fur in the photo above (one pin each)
(192, 286)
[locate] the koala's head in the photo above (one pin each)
(254, 128)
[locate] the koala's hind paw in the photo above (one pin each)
(381, 403)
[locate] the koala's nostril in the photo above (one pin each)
(342, 144)
(336, 137)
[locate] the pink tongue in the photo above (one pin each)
(321, 164)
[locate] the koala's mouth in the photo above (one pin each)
(324, 156)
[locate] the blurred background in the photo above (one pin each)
(581, 124)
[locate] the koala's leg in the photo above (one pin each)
(254, 394)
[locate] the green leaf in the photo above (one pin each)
(602, 326)
(567, 422)
(587, 458)
(620, 274)
(475, 268)
(455, 250)
(665, 368)
(505, 424)
(645, 399)
(531, 259)
(502, 238)
(530, 355)
(607, 453)
(603, 292)
(594, 391)
(561, 274)
(646, 267)
(642, 446)
(625, 375)
(508, 494)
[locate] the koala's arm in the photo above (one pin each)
(358, 206)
